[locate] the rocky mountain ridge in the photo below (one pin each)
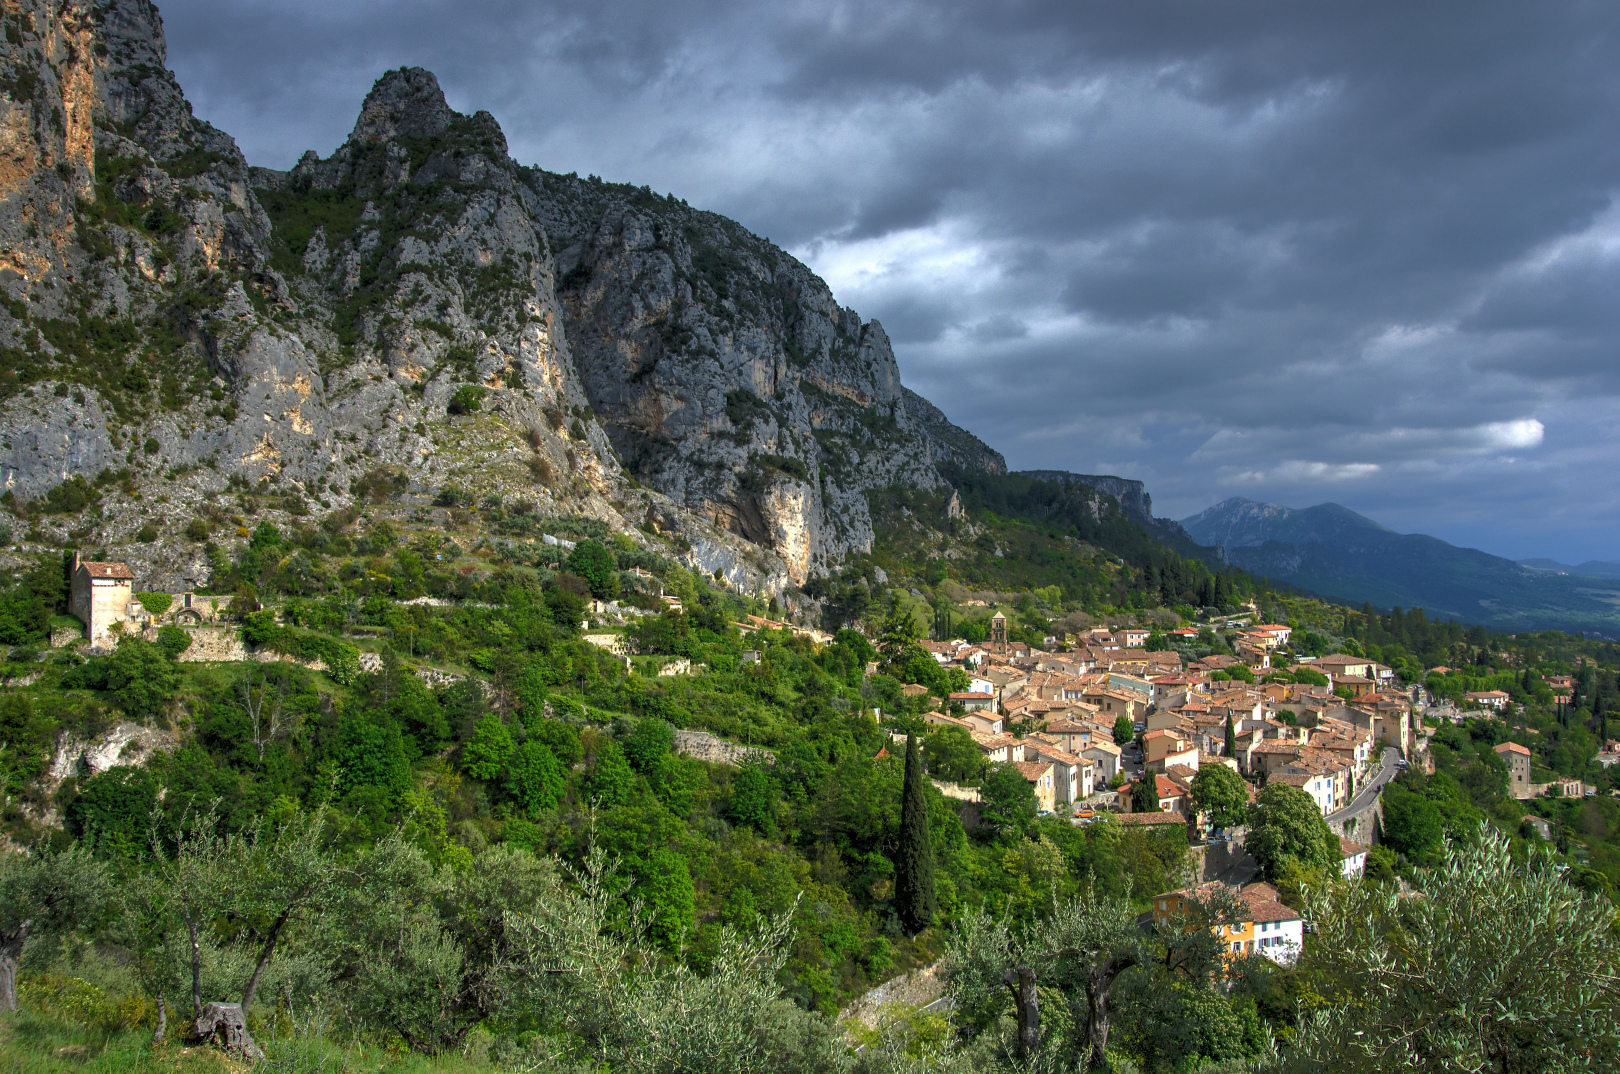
(415, 318)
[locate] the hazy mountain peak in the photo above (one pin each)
(1238, 522)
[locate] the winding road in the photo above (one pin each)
(1365, 798)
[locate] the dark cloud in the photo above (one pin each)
(1362, 252)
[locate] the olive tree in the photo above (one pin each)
(587, 958)
(43, 894)
(1493, 966)
(426, 955)
(167, 917)
(1090, 952)
(229, 903)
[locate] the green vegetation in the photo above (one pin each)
(517, 793)
(914, 863)
(1286, 831)
(467, 399)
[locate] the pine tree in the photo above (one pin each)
(1231, 737)
(914, 867)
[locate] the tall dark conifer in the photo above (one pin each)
(1231, 737)
(914, 866)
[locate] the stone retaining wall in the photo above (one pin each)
(712, 748)
(1364, 827)
(220, 644)
(957, 791)
(214, 643)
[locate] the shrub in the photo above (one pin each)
(197, 530)
(453, 496)
(379, 484)
(156, 603)
(342, 660)
(468, 399)
(77, 1000)
(484, 756)
(147, 534)
(151, 447)
(71, 497)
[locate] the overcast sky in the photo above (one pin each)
(1364, 252)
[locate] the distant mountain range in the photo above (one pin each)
(1592, 568)
(1333, 551)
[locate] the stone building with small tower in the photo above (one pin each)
(998, 629)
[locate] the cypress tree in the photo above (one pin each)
(1231, 737)
(1145, 794)
(914, 868)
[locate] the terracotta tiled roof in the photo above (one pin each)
(1264, 909)
(107, 570)
(1151, 819)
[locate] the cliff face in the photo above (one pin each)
(415, 312)
(1132, 495)
(727, 375)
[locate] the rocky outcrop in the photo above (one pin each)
(414, 312)
(1132, 495)
(125, 744)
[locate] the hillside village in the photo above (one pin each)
(1110, 724)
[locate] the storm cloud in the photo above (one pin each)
(1366, 252)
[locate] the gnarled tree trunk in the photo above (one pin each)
(11, 948)
(226, 1025)
(1021, 983)
(1097, 1015)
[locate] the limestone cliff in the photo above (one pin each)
(728, 376)
(1132, 495)
(413, 313)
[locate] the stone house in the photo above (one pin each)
(100, 595)
(1040, 776)
(1075, 777)
(1518, 763)
(1106, 756)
